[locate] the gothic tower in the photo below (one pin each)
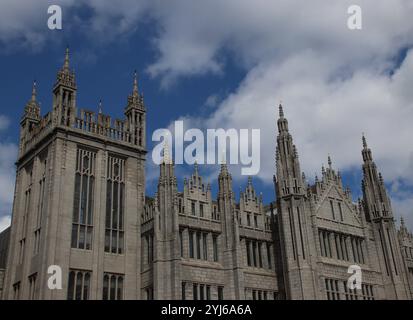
(166, 264)
(294, 222)
(378, 211)
(64, 95)
(80, 182)
(232, 254)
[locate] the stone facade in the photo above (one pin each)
(80, 204)
(4, 246)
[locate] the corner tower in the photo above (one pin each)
(293, 214)
(378, 211)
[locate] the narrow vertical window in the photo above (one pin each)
(215, 246)
(220, 293)
(201, 209)
(198, 245)
(247, 244)
(205, 246)
(191, 244)
(181, 243)
(332, 210)
(195, 291)
(115, 205)
(183, 291)
(340, 210)
(193, 208)
(82, 224)
(269, 256)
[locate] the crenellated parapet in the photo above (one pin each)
(66, 116)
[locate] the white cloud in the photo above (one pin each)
(4, 222)
(334, 82)
(4, 122)
(8, 154)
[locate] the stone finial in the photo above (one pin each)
(100, 106)
(34, 91)
(330, 163)
(135, 84)
(364, 141)
(196, 168)
(66, 63)
(280, 110)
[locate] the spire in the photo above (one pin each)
(65, 76)
(66, 64)
(282, 121)
(329, 162)
(34, 91)
(364, 141)
(249, 181)
(166, 156)
(100, 106)
(224, 168)
(366, 152)
(196, 168)
(402, 221)
(135, 84)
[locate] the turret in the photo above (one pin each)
(135, 112)
(30, 118)
(64, 95)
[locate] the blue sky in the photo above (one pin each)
(228, 65)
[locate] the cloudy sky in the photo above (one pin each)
(227, 64)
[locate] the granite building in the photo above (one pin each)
(80, 204)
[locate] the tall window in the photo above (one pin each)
(332, 209)
(193, 208)
(205, 246)
(340, 210)
(201, 209)
(40, 208)
(16, 291)
(82, 226)
(115, 198)
(183, 290)
(112, 287)
(191, 244)
(215, 246)
(181, 242)
(32, 286)
(247, 243)
(269, 256)
(220, 293)
(79, 285)
(149, 247)
(198, 245)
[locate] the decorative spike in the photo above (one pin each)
(166, 156)
(135, 85)
(196, 168)
(34, 91)
(381, 178)
(329, 162)
(281, 111)
(100, 106)
(364, 141)
(66, 64)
